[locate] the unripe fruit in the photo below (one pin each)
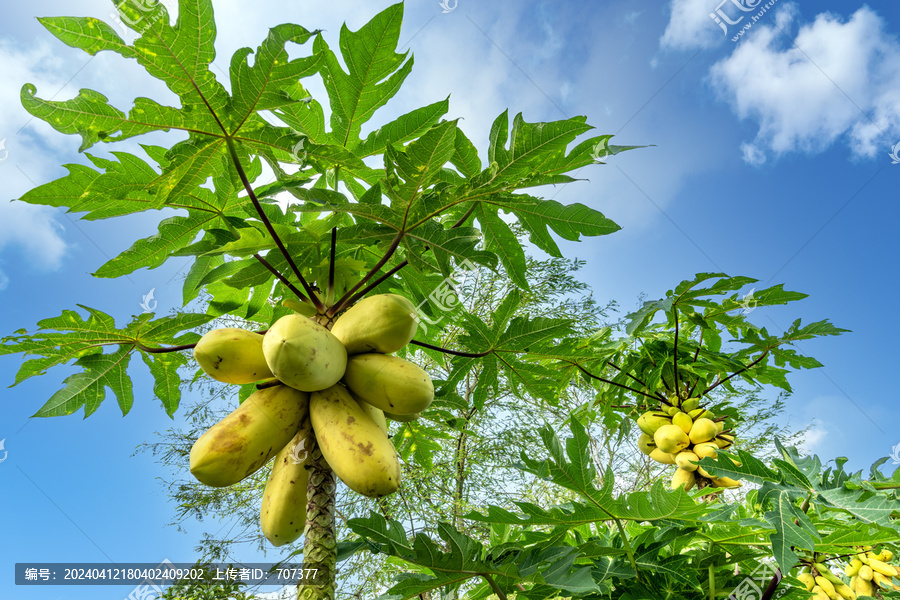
(690, 404)
(682, 420)
(671, 439)
(720, 426)
(683, 479)
(383, 323)
(662, 457)
(853, 568)
(706, 450)
(826, 585)
(864, 587)
(702, 431)
(883, 568)
(866, 573)
(726, 482)
(390, 383)
(358, 451)
(652, 420)
(646, 444)
(697, 413)
(881, 581)
(402, 418)
(232, 355)
(683, 460)
(844, 591)
(671, 410)
(303, 354)
(808, 580)
(283, 512)
(246, 439)
(376, 414)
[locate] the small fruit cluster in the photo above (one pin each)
(681, 433)
(819, 580)
(333, 388)
(868, 569)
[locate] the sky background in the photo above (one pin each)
(770, 159)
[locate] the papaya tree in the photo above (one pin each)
(291, 223)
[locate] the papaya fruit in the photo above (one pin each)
(303, 354)
(706, 450)
(383, 323)
(376, 414)
(646, 444)
(402, 418)
(690, 404)
(686, 459)
(390, 383)
(662, 457)
(725, 482)
(682, 420)
(282, 516)
(703, 430)
(232, 355)
(724, 440)
(245, 440)
(652, 420)
(671, 439)
(358, 451)
(683, 479)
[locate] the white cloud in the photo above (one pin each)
(690, 26)
(815, 438)
(806, 96)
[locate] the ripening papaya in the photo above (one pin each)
(671, 439)
(390, 383)
(662, 457)
(402, 418)
(383, 323)
(690, 404)
(682, 420)
(686, 459)
(725, 482)
(303, 354)
(232, 355)
(652, 420)
(683, 479)
(375, 413)
(245, 440)
(358, 451)
(646, 444)
(703, 430)
(283, 512)
(706, 450)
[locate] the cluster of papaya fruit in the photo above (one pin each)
(866, 569)
(330, 388)
(680, 432)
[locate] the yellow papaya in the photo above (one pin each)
(686, 459)
(646, 444)
(671, 438)
(683, 420)
(376, 414)
(401, 418)
(358, 451)
(683, 479)
(703, 430)
(390, 383)
(662, 457)
(724, 440)
(245, 440)
(383, 323)
(691, 404)
(232, 355)
(706, 450)
(652, 420)
(303, 354)
(283, 512)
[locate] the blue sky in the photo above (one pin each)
(771, 160)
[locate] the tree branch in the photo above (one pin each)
(281, 278)
(738, 372)
(330, 292)
(265, 220)
(451, 352)
(344, 300)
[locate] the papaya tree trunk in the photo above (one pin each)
(320, 543)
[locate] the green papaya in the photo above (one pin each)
(358, 451)
(303, 354)
(402, 418)
(646, 444)
(690, 404)
(383, 323)
(245, 440)
(232, 355)
(283, 512)
(390, 383)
